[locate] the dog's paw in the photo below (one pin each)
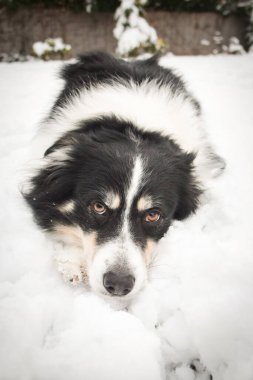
(71, 272)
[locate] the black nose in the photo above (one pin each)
(118, 284)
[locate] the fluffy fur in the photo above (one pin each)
(121, 155)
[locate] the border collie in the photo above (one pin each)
(121, 155)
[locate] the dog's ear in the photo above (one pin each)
(51, 186)
(89, 68)
(189, 190)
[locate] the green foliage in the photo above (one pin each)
(74, 5)
(224, 6)
(194, 5)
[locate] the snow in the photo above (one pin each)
(198, 307)
(205, 42)
(40, 48)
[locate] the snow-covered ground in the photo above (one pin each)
(199, 304)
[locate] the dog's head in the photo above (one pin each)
(114, 190)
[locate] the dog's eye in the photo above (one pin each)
(98, 207)
(152, 216)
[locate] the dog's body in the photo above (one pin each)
(122, 154)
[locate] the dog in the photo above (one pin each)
(122, 154)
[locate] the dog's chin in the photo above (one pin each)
(117, 302)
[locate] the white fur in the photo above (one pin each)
(117, 253)
(132, 191)
(150, 107)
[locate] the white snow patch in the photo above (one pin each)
(205, 42)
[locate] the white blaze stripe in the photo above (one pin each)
(122, 252)
(132, 191)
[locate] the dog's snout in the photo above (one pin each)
(118, 284)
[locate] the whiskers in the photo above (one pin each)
(158, 271)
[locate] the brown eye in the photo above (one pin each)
(98, 207)
(152, 216)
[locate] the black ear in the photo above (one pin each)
(89, 68)
(49, 188)
(189, 189)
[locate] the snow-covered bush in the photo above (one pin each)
(51, 48)
(235, 47)
(232, 47)
(246, 8)
(249, 29)
(15, 57)
(134, 34)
